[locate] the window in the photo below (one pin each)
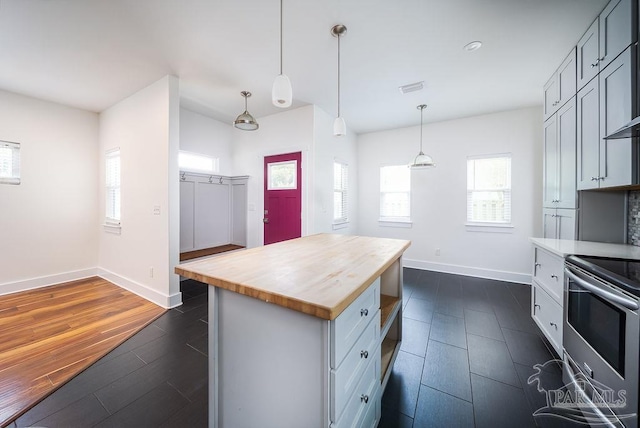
(113, 187)
(282, 175)
(9, 163)
(340, 177)
(489, 189)
(197, 162)
(395, 193)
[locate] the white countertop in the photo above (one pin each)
(566, 247)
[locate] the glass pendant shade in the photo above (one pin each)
(422, 161)
(339, 127)
(245, 121)
(281, 94)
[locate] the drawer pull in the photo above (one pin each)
(364, 398)
(554, 276)
(538, 265)
(364, 354)
(364, 312)
(553, 325)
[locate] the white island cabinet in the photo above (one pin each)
(302, 333)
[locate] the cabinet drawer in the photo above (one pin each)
(548, 315)
(548, 271)
(371, 415)
(345, 378)
(364, 396)
(350, 324)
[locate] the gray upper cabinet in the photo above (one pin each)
(559, 160)
(604, 105)
(616, 156)
(561, 86)
(588, 136)
(615, 31)
(588, 54)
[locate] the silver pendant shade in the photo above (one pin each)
(245, 121)
(281, 93)
(422, 161)
(339, 127)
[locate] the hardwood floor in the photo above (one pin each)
(51, 334)
(208, 252)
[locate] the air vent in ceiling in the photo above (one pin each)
(412, 87)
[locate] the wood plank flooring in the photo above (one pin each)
(208, 251)
(51, 334)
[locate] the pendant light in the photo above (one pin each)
(421, 161)
(281, 94)
(245, 121)
(339, 127)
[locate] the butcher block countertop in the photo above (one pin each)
(319, 275)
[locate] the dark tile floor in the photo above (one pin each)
(469, 347)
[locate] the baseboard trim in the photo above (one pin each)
(160, 299)
(43, 281)
(499, 275)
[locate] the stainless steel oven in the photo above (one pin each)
(601, 336)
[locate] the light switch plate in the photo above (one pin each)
(156, 210)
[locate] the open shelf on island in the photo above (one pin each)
(388, 348)
(387, 308)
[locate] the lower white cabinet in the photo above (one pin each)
(547, 295)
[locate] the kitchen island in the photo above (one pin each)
(302, 333)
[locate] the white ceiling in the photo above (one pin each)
(92, 53)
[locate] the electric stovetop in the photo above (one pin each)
(623, 273)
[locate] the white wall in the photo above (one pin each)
(145, 128)
(439, 195)
(286, 132)
(48, 232)
(207, 136)
(326, 149)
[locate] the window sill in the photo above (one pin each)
(490, 227)
(395, 223)
(116, 229)
(340, 225)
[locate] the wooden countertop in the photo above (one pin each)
(319, 275)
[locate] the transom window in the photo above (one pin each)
(489, 189)
(196, 162)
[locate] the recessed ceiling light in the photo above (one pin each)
(473, 46)
(412, 87)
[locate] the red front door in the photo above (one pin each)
(282, 197)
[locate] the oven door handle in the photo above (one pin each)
(607, 295)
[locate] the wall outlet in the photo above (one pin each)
(151, 272)
(437, 251)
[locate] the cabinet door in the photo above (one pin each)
(616, 156)
(566, 224)
(549, 223)
(588, 54)
(550, 162)
(239, 214)
(566, 118)
(588, 136)
(567, 79)
(187, 201)
(551, 96)
(615, 30)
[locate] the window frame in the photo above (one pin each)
(486, 225)
(215, 162)
(113, 223)
(294, 186)
(395, 221)
(341, 222)
(14, 159)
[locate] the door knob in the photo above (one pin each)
(265, 220)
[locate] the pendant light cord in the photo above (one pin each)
(281, 37)
(421, 111)
(338, 75)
